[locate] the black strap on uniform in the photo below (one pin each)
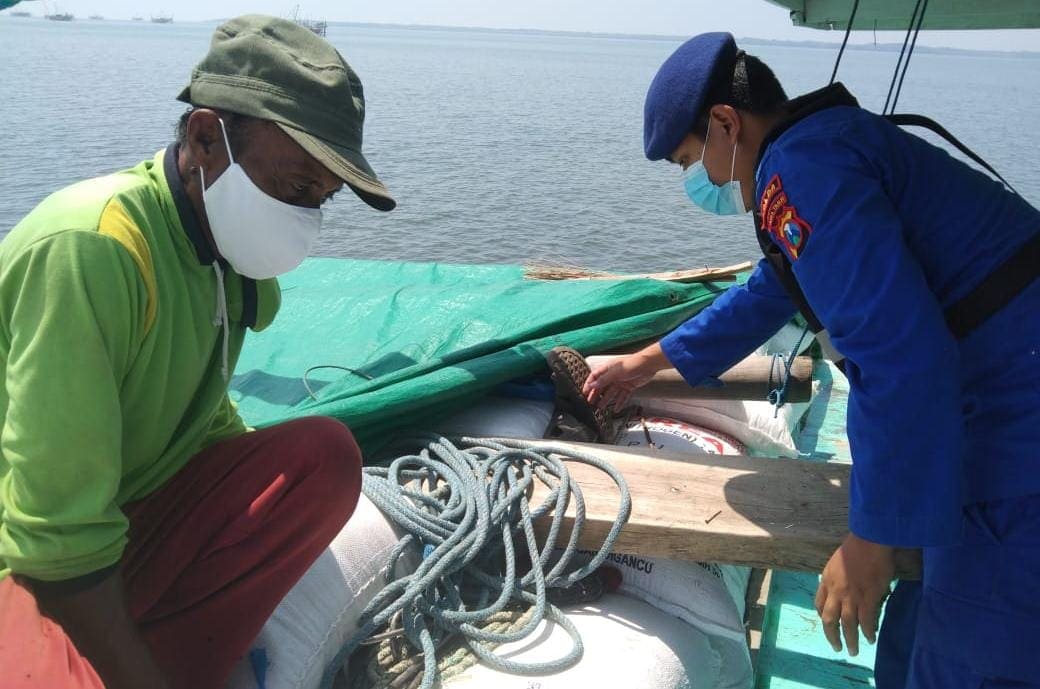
(785, 276)
(997, 289)
(1009, 278)
(910, 120)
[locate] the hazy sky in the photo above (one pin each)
(744, 18)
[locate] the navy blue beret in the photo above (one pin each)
(678, 92)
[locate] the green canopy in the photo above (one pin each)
(425, 339)
(895, 14)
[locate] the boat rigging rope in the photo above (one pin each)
(906, 65)
(916, 18)
(778, 395)
(844, 41)
(466, 502)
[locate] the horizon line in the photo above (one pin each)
(808, 43)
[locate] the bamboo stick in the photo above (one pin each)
(551, 272)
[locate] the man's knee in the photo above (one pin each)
(334, 459)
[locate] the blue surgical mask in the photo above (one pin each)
(720, 200)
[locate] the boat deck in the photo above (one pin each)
(403, 340)
(791, 650)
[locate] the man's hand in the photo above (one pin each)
(612, 383)
(855, 582)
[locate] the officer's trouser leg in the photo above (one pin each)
(896, 640)
(933, 670)
(979, 618)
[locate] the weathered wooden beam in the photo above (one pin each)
(762, 512)
(751, 379)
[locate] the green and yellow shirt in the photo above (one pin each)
(111, 362)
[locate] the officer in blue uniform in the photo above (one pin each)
(919, 271)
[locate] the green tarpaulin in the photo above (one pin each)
(426, 339)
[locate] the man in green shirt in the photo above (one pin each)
(145, 535)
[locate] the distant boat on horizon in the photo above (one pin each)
(21, 14)
(319, 27)
(163, 19)
(96, 17)
(61, 17)
(137, 19)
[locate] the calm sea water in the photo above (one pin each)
(500, 147)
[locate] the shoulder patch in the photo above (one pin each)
(781, 220)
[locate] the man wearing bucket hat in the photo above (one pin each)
(923, 272)
(145, 535)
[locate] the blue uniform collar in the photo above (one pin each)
(800, 108)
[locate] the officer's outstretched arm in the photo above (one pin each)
(735, 324)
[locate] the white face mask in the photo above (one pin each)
(260, 236)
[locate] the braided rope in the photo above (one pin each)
(392, 668)
(468, 519)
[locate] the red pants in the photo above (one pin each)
(210, 555)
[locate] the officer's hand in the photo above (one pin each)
(612, 383)
(855, 582)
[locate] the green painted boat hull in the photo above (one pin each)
(895, 14)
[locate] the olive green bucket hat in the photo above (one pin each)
(274, 69)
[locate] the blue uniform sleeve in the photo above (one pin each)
(827, 209)
(741, 319)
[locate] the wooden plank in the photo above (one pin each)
(755, 603)
(752, 379)
(761, 512)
